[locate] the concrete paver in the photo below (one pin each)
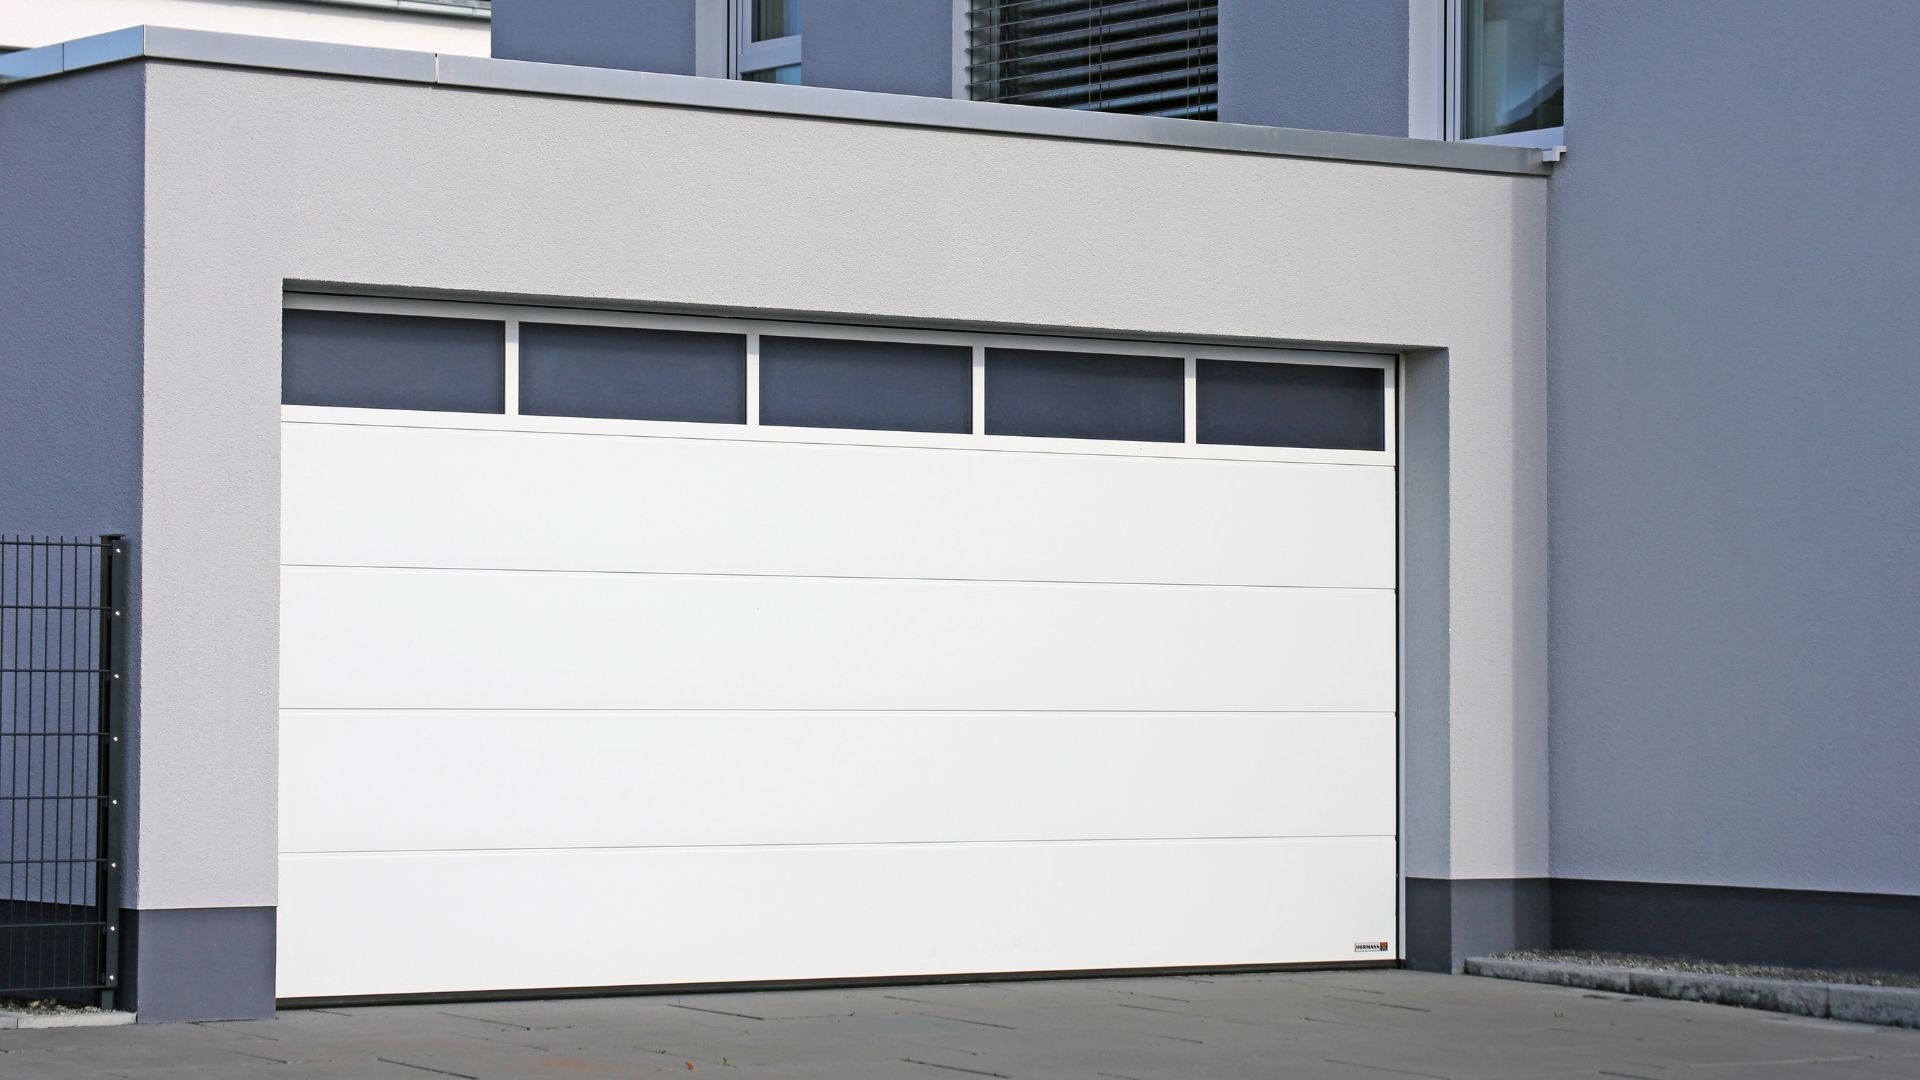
(1370, 1025)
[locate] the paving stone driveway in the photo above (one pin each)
(1342, 1025)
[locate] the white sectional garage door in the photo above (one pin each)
(575, 701)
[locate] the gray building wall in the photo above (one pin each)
(1735, 257)
(640, 35)
(72, 364)
(1311, 64)
(886, 46)
(71, 305)
(70, 300)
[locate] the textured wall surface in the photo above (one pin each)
(887, 46)
(32, 23)
(1735, 473)
(640, 35)
(71, 157)
(1311, 64)
(256, 178)
(70, 303)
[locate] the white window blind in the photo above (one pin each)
(1148, 57)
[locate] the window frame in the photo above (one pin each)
(1435, 70)
(752, 327)
(749, 55)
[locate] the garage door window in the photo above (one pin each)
(1305, 405)
(871, 385)
(621, 373)
(1069, 395)
(359, 360)
(762, 379)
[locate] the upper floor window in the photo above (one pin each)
(1149, 57)
(1511, 67)
(767, 40)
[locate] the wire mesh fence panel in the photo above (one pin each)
(62, 661)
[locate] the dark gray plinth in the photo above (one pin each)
(1449, 920)
(1790, 927)
(185, 964)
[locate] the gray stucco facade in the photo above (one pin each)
(70, 294)
(1736, 610)
(1329, 67)
(72, 300)
(884, 46)
(638, 35)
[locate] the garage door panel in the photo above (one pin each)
(358, 924)
(395, 781)
(392, 639)
(395, 496)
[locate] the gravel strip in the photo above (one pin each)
(44, 1007)
(1865, 1003)
(17, 1013)
(1708, 967)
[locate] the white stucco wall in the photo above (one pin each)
(255, 178)
(26, 24)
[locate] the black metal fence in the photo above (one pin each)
(63, 650)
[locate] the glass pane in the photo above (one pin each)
(790, 75)
(874, 385)
(1147, 57)
(628, 374)
(1243, 403)
(1511, 67)
(1085, 395)
(775, 19)
(360, 361)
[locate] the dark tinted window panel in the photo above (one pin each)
(627, 374)
(1304, 405)
(1085, 395)
(364, 361)
(875, 385)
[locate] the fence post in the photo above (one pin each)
(116, 553)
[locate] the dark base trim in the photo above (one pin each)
(193, 964)
(1451, 919)
(1786, 927)
(768, 985)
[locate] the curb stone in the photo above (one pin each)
(1891, 1006)
(1582, 976)
(10, 1021)
(1773, 995)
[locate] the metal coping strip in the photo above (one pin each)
(613, 84)
(453, 9)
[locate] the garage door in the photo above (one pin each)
(624, 650)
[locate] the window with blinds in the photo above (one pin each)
(1148, 57)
